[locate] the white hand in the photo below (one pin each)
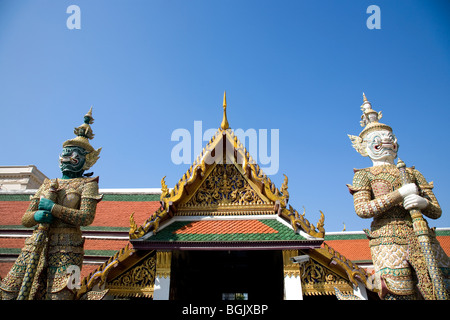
(414, 201)
(408, 189)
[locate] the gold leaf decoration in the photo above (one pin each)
(225, 185)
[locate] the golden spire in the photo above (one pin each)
(89, 115)
(224, 125)
(364, 98)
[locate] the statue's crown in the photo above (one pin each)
(370, 119)
(83, 135)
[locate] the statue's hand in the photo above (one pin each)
(407, 190)
(46, 204)
(414, 201)
(43, 216)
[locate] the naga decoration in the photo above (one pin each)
(409, 262)
(57, 210)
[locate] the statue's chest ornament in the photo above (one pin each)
(70, 197)
(381, 187)
(384, 179)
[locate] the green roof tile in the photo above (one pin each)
(284, 233)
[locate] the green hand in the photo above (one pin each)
(43, 216)
(46, 204)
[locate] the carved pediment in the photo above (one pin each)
(138, 281)
(225, 186)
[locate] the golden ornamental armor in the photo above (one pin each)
(57, 211)
(402, 259)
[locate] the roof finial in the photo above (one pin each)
(224, 125)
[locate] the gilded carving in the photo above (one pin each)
(225, 185)
(163, 263)
(137, 281)
(318, 280)
(299, 220)
(290, 268)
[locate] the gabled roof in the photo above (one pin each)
(224, 180)
(258, 232)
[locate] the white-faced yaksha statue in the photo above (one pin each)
(57, 211)
(409, 262)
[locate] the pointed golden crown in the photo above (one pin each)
(83, 135)
(370, 120)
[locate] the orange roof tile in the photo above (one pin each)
(12, 243)
(5, 267)
(225, 227)
(117, 213)
(12, 212)
(109, 213)
(445, 243)
(354, 249)
(101, 244)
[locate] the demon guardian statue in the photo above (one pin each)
(57, 210)
(409, 262)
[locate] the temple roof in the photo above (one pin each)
(224, 180)
(263, 232)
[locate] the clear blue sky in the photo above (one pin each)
(150, 67)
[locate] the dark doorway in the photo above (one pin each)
(208, 275)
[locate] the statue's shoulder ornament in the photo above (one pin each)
(361, 181)
(84, 187)
(90, 189)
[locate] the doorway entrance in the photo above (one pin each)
(220, 275)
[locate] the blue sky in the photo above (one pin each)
(151, 67)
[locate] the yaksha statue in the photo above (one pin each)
(57, 210)
(409, 262)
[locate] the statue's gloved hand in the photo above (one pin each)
(46, 204)
(43, 216)
(407, 190)
(414, 201)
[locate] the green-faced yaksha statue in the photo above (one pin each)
(57, 210)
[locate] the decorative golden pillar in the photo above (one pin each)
(292, 278)
(162, 279)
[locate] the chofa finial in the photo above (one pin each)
(224, 125)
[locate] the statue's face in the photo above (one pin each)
(72, 159)
(381, 146)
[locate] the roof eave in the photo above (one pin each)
(226, 245)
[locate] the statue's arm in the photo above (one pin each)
(86, 214)
(79, 217)
(28, 218)
(365, 205)
(433, 210)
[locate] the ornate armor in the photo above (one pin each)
(57, 210)
(405, 252)
(393, 244)
(75, 206)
